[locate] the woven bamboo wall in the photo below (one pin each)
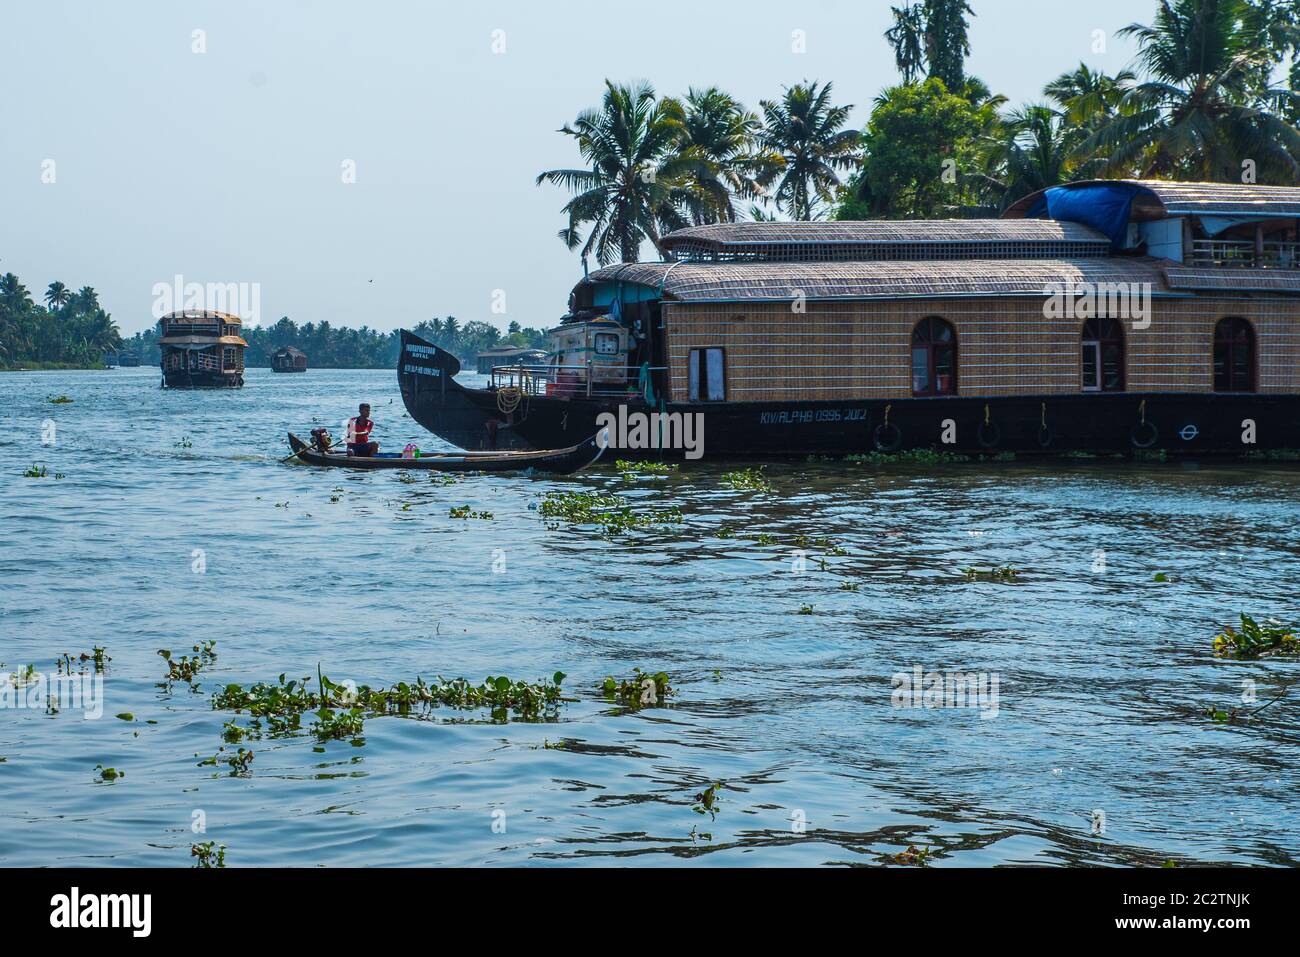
(1005, 347)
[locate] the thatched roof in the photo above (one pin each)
(289, 351)
(885, 239)
(201, 315)
(1156, 199)
(721, 282)
(1227, 279)
(201, 341)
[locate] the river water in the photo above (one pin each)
(167, 519)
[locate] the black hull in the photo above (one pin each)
(274, 369)
(183, 379)
(1094, 423)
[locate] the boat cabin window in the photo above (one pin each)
(707, 372)
(934, 358)
(1234, 356)
(1103, 356)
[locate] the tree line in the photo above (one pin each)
(1199, 103)
(70, 330)
(342, 347)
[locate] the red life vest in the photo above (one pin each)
(359, 432)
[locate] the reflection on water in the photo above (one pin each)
(785, 680)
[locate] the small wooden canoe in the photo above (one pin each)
(556, 461)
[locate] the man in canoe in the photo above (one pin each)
(358, 436)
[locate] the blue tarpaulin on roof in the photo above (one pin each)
(1104, 207)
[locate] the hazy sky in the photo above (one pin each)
(226, 166)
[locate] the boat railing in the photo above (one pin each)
(593, 379)
(1244, 254)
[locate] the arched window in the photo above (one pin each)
(934, 358)
(1102, 352)
(1234, 356)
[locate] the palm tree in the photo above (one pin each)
(13, 294)
(716, 130)
(1088, 96)
(805, 130)
(907, 37)
(635, 181)
(1207, 105)
(1032, 151)
(57, 295)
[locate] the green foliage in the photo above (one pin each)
(610, 513)
(913, 132)
(105, 775)
(465, 512)
(340, 710)
(71, 330)
(186, 667)
(641, 689)
(1253, 640)
(708, 800)
(915, 456)
(750, 478)
(208, 854)
(806, 131)
(999, 573)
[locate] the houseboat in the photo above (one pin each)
(288, 359)
(201, 349)
(1104, 317)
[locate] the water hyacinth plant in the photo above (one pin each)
(282, 704)
(750, 478)
(1253, 640)
(186, 667)
(612, 514)
(641, 689)
(208, 854)
(998, 573)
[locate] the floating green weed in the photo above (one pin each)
(1254, 640)
(57, 399)
(237, 761)
(208, 854)
(281, 705)
(998, 573)
(630, 470)
(641, 689)
(36, 471)
(184, 443)
(186, 667)
(750, 478)
(611, 513)
(331, 724)
(914, 456)
(708, 800)
(805, 609)
(25, 677)
(107, 775)
(912, 857)
(464, 511)
(850, 586)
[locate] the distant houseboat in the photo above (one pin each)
(201, 349)
(490, 359)
(288, 359)
(1101, 317)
